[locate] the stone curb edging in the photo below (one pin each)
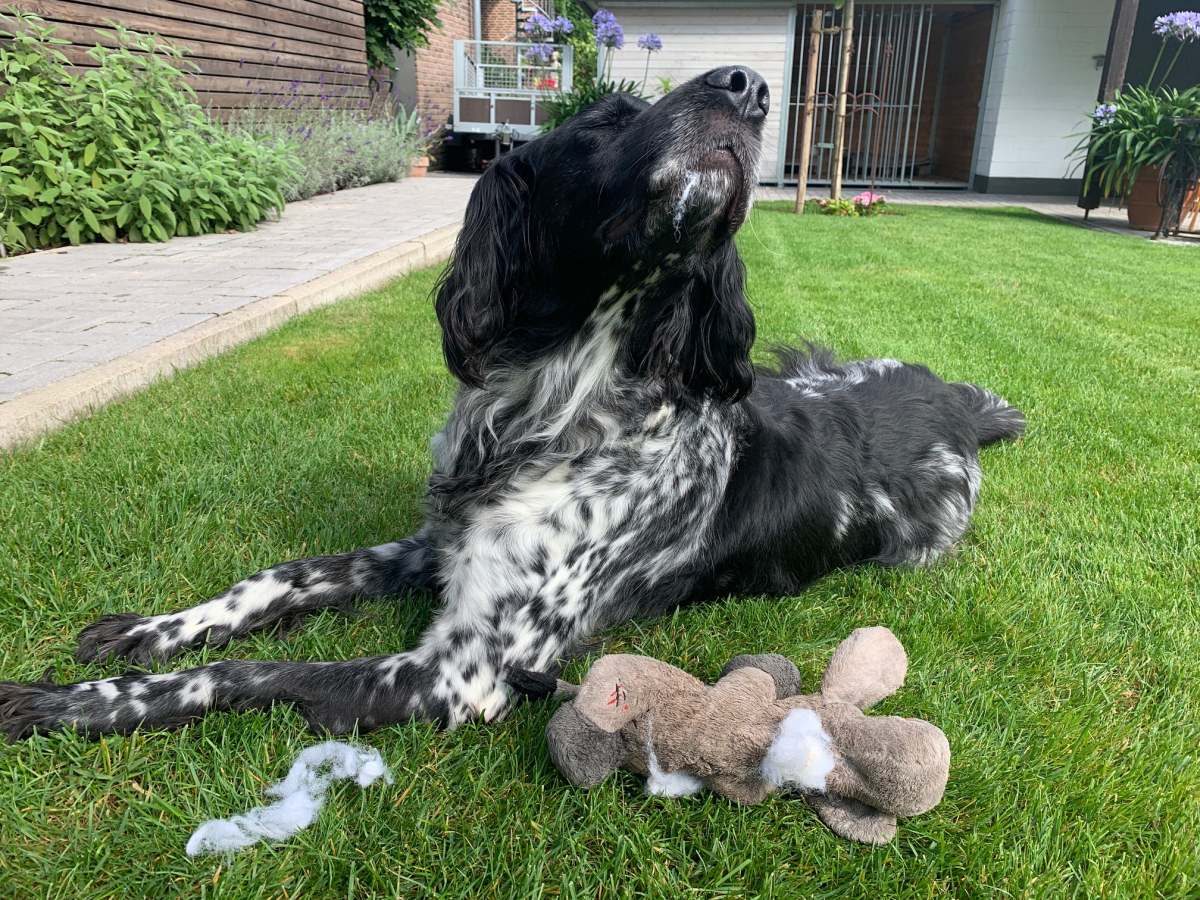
(48, 408)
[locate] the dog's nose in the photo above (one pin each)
(744, 87)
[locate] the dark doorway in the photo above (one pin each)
(916, 83)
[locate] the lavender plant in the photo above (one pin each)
(338, 139)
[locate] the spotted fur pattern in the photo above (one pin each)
(611, 452)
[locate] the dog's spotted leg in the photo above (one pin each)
(283, 591)
(332, 696)
(454, 676)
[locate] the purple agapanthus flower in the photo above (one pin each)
(1104, 113)
(609, 32)
(539, 53)
(650, 42)
(562, 25)
(539, 26)
(1183, 26)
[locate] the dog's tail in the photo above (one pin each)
(996, 420)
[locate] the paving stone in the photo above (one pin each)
(66, 309)
(13, 386)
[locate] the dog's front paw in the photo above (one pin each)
(136, 638)
(27, 708)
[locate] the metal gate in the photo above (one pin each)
(883, 109)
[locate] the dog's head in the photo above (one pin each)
(643, 197)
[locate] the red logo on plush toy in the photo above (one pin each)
(618, 697)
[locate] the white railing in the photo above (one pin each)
(500, 85)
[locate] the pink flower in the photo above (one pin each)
(867, 198)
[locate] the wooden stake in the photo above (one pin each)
(810, 101)
(839, 134)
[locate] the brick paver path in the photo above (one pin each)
(68, 310)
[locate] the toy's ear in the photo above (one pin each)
(620, 687)
(866, 667)
(584, 754)
(853, 820)
(781, 669)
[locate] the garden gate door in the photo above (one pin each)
(886, 84)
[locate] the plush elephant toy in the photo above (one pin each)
(752, 733)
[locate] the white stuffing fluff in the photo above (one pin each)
(801, 754)
(667, 784)
(301, 796)
(670, 784)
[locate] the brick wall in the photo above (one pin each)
(499, 20)
(435, 63)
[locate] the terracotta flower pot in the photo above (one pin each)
(1142, 204)
(419, 167)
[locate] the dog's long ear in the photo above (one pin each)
(476, 296)
(702, 339)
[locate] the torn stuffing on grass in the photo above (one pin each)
(301, 796)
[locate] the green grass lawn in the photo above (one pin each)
(1059, 649)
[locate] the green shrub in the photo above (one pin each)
(336, 147)
(583, 95)
(119, 150)
(397, 23)
(582, 38)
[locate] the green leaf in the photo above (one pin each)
(42, 148)
(15, 237)
(144, 205)
(90, 218)
(89, 153)
(73, 232)
(9, 155)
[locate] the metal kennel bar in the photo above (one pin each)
(886, 87)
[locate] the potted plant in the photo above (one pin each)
(409, 133)
(1132, 136)
(1128, 143)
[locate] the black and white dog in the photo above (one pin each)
(611, 451)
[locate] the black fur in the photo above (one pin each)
(611, 451)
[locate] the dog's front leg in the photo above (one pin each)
(273, 595)
(453, 676)
(333, 696)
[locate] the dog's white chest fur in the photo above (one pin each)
(616, 494)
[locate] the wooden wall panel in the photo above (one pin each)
(246, 52)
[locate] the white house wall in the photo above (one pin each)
(1041, 86)
(697, 38)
